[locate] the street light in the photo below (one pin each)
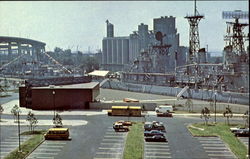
(18, 124)
(215, 93)
(54, 93)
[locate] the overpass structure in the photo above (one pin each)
(20, 46)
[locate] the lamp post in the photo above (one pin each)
(18, 124)
(215, 106)
(54, 93)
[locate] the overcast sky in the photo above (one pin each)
(82, 23)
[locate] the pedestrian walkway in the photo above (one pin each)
(48, 150)
(156, 150)
(11, 143)
(112, 145)
(215, 148)
(244, 140)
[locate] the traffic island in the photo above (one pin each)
(221, 130)
(134, 147)
(28, 146)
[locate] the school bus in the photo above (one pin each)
(125, 111)
(57, 133)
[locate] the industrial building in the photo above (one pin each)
(119, 53)
(60, 97)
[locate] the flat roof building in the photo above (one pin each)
(61, 97)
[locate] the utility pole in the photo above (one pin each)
(18, 122)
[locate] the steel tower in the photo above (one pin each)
(194, 41)
(235, 35)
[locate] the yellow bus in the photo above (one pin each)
(125, 111)
(57, 133)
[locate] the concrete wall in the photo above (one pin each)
(232, 97)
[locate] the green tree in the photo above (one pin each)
(57, 120)
(14, 112)
(205, 113)
(32, 121)
(1, 111)
(228, 114)
(90, 64)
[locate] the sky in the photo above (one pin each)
(80, 25)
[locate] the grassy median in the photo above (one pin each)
(27, 146)
(135, 142)
(222, 130)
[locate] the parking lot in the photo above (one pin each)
(48, 150)
(156, 150)
(112, 145)
(11, 143)
(215, 148)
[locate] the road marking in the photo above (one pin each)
(226, 151)
(50, 146)
(155, 143)
(105, 158)
(110, 143)
(43, 149)
(157, 149)
(113, 136)
(213, 142)
(112, 139)
(44, 153)
(159, 153)
(215, 147)
(104, 148)
(108, 153)
(16, 142)
(157, 146)
(158, 156)
(220, 155)
(55, 143)
(41, 157)
(8, 146)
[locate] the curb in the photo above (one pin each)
(34, 149)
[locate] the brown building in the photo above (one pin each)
(75, 96)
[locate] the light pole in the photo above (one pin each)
(215, 106)
(54, 93)
(18, 124)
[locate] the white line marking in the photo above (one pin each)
(154, 150)
(158, 156)
(159, 153)
(220, 155)
(215, 147)
(44, 153)
(51, 150)
(157, 146)
(108, 153)
(106, 148)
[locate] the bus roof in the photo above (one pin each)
(134, 107)
(58, 129)
(119, 107)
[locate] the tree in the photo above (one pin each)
(57, 120)
(246, 118)
(189, 105)
(228, 114)
(205, 112)
(1, 111)
(14, 112)
(32, 121)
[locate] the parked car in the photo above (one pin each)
(153, 132)
(125, 123)
(235, 129)
(120, 127)
(242, 132)
(166, 114)
(154, 126)
(161, 138)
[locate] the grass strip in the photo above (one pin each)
(135, 142)
(223, 131)
(28, 146)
